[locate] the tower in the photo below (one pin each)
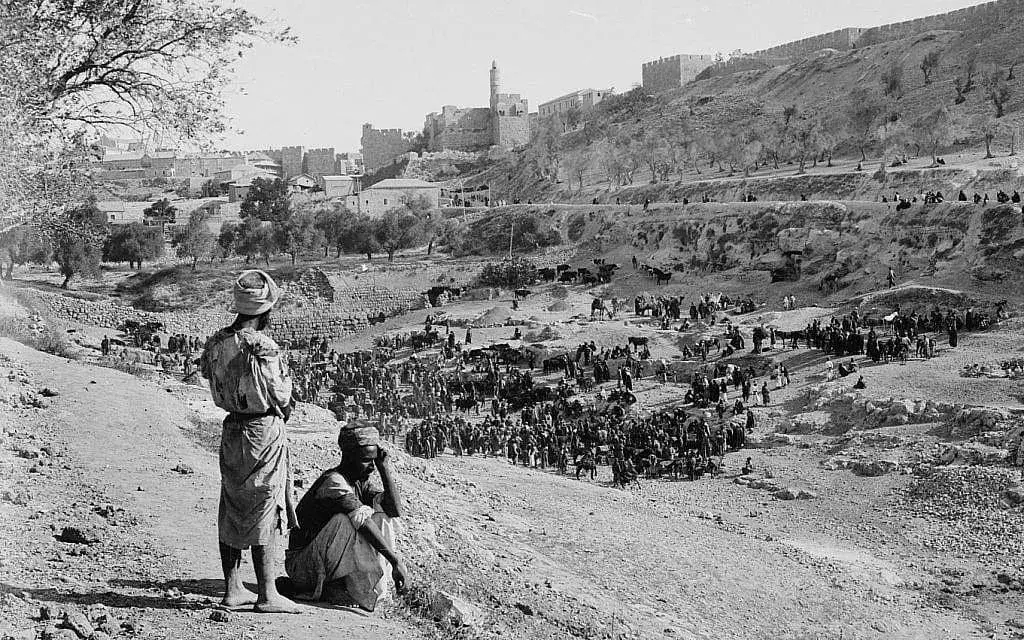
(495, 84)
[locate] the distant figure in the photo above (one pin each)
(891, 278)
(105, 346)
(860, 383)
(647, 203)
(469, 336)
(962, 197)
(748, 468)
(803, 198)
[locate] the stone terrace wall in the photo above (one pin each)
(111, 315)
(352, 311)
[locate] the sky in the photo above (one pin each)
(391, 62)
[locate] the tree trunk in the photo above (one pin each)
(338, 254)
(195, 261)
(293, 259)
(988, 148)
(391, 255)
(430, 246)
(10, 271)
(67, 281)
(863, 154)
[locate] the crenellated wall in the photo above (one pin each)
(847, 39)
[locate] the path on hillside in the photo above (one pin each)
(123, 436)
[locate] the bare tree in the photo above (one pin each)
(988, 127)
(577, 163)
(930, 63)
(864, 108)
(997, 90)
(892, 80)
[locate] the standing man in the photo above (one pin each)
(248, 379)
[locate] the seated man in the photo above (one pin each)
(345, 530)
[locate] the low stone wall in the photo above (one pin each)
(324, 319)
(321, 320)
(111, 315)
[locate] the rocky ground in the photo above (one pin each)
(888, 513)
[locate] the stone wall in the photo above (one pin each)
(459, 129)
(673, 72)
(854, 37)
(512, 131)
(381, 146)
(111, 315)
(314, 307)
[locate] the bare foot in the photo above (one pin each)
(237, 598)
(277, 604)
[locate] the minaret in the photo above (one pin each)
(495, 84)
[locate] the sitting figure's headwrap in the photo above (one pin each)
(357, 434)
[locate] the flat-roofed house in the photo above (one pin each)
(376, 199)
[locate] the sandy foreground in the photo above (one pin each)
(131, 465)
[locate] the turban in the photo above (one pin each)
(255, 293)
(358, 434)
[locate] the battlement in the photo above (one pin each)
(368, 128)
(840, 40)
(679, 57)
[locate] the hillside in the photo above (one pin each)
(808, 248)
(735, 120)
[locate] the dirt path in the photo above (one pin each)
(122, 437)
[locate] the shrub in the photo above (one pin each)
(490, 236)
(511, 274)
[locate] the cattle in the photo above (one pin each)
(567, 276)
(547, 274)
(598, 261)
(637, 341)
(583, 271)
(465, 403)
(588, 279)
(562, 267)
(661, 277)
(521, 293)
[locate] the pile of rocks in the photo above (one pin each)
(777, 489)
(860, 412)
(968, 509)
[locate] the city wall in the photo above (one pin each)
(853, 37)
(381, 146)
(512, 131)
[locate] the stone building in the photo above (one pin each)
(504, 122)
(462, 129)
(381, 146)
(292, 161)
(320, 162)
(375, 200)
(338, 186)
(584, 100)
(665, 74)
